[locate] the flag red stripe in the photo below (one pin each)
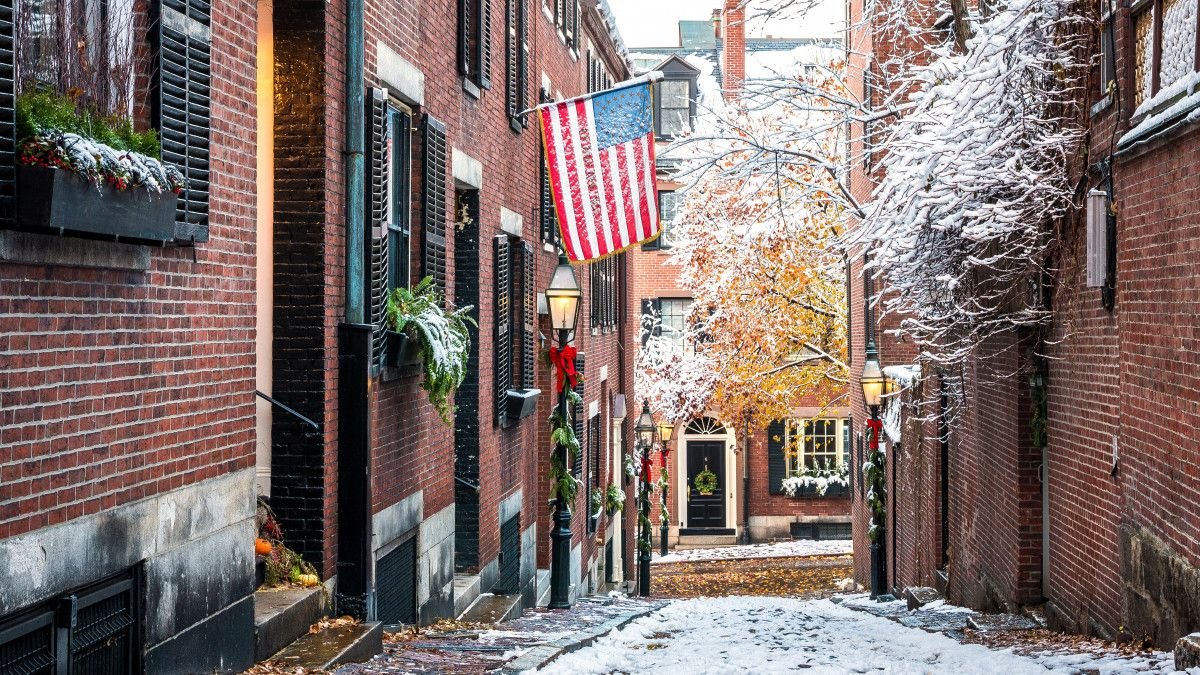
(553, 158)
(639, 149)
(574, 186)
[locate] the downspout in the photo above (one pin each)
(746, 479)
(355, 583)
(355, 121)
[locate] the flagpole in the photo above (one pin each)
(650, 77)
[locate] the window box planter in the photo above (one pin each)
(58, 200)
(520, 403)
(402, 351)
(831, 491)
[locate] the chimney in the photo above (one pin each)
(733, 53)
(716, 21)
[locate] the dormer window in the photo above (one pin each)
(675, 98)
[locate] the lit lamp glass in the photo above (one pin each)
(563, 295)
(873, 381)
(665, 430)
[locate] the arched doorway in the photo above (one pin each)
(707, 449)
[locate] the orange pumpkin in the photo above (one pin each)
(262, 547)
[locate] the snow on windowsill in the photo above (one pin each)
(1180, 100)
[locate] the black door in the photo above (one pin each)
(706, 510)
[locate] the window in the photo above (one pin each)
(1108, 56)
(517, 65)
(668, 209)
(816, 444)
(399, 185)
(606, 289)
(565, 15)
(1164, 45)
(674, 107)
(593, 469)
(672, 313)
(475, 42)
(515, 311)
(147, 63)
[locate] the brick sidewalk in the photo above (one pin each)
(513, 646)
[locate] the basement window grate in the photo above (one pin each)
(396, 584)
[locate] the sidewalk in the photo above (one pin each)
(515, 646)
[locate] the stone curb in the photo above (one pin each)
(543, 654)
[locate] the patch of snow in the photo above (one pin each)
(1153, 122)
(905, 376)
(776, 635)
(783, 549)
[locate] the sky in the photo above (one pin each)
(653, 23)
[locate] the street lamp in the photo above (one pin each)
(645, 435)
(875, 385)
(562, 298)
(665, 430)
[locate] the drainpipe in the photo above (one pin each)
(746, 480)
(355, 585)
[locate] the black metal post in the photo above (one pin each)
(560, 533)
(879, 546)
(644, 543)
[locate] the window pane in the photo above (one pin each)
(1143, 55)
(674, 121)
(820, 444)
(399, 184)
(674, 94)
(668, 205)
(1178, 41)
(674, 316)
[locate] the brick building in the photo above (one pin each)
(413, 515)
(321, 177)
(127, 373)
(1096, 519)
(712, 61)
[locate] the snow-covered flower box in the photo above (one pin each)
(60, 200)
(821, 483)
(402, 351)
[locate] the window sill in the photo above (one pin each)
(1167, 116)
(472, 89)
(1101, 106)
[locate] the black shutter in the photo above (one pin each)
(528, 317)
(181, 105)
(464, 37)
(577, 421)
(575, 40)
(8, 117)
(376, 209)
(485, 44)
(776, 461)
(433, 203)
(523, 71)
(502, 313)
(512, 49)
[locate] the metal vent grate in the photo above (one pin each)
(396, 584)
(509, 581)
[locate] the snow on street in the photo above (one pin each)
(783, 549)
(776, 635)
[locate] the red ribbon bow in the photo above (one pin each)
(563, 361)
(646, 466)
(876, 427)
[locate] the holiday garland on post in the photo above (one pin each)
(562, 483)
(873, 475)
(663, 477)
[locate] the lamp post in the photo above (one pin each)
(874, 386)
(562, 299)
(645, 440)
(665, 430)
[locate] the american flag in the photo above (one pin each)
(600, 156)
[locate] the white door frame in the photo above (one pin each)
(732, 472)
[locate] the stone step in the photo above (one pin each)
(543, 588)
(332, 647)
(282, 615)
(492, 609)
(466, 591)
(691, 541)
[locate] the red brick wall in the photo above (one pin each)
(118, 385)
